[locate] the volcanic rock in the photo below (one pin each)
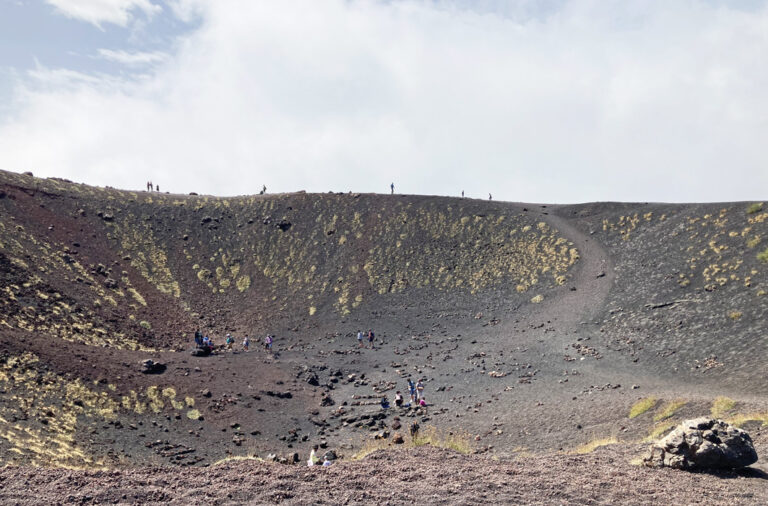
(149, 366)
(702, 443)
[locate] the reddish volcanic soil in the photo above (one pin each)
(422, 475)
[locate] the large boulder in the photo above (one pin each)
(149, 366)
(702, 443)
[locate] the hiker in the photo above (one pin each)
(246, 343)
(412, 390)
(419, 390)
(462, 193)
(371, 337)
(198, 338)
(359, 339)
(398, 399)
(230, 341)
(423, 404)
(384, 403)
(268, 343)
(314, 458)
(151, 186)
(157, 187)
(206, 341)
(490, 197)
(392, 188)
(414, 430)
(264, 189)
(326, 462)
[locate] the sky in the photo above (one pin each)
(556, 101)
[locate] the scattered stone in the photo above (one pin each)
(700, 444)
(398, 438)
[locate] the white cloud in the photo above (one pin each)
(133, 58)
(118, 12)
(587, 101)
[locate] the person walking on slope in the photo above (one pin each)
(371, 337)
(246, 343)
(419, 390)
(268, 343)
(314, 458)
(359, 339)
(412, 390)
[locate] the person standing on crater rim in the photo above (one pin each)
(392, 188)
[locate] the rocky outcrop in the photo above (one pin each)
(702, 443)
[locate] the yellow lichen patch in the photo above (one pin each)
(659, 430)
(642, 406)
(312, 310)
(721, 406)
(668, 410)
(537, 299)
(156, 403)
(193, 414)
(137, 296)
(49, 408)
(594, 445)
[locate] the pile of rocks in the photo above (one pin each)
(703, 443)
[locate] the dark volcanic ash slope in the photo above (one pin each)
(690, 298)
(91, 275)
(528, 324)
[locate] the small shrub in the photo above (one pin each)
(193, 414)
(145, 324)
(755, 208)
(642, 406)
(721, 405)
(763, 255)
(735, 315)
(668, 410)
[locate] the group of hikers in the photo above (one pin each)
(151, 187)
(206, 343)
(417, 399)
(368, 335)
